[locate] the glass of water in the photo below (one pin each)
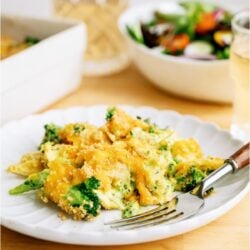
(106, 50)
(240, 70)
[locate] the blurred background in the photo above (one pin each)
(45, 7)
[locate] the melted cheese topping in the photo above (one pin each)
(131, 158)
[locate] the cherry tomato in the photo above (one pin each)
(206, 23)
(176, 43)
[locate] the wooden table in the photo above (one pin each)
(230, 232)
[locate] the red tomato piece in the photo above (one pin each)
(206, 23)
(176, 43)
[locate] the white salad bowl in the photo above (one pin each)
(195, 79)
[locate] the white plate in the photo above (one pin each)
(27, 215)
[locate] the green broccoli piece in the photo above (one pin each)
(193, 178)
(92, 183)
(31, 40)
(33, 182)
(110, 113)
(163, 147)
(52, 134)
(78, 128)
(196, 174)
(151, 130)
(83, 195)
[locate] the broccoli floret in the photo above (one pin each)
(33, 182)
(51, 134)
(92, 183)
(193, 178)
(151, 130)
(163, 147)
(110, 113)
(196, 174)
(78, 128)
(31, 40)
(83, 195)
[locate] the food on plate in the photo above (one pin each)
(200, 31)
(10, 46)
(125, 164)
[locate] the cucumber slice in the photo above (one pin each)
(199, 50)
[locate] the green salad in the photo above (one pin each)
(201, 31)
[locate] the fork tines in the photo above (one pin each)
(154, 216)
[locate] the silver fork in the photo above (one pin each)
(184, 205)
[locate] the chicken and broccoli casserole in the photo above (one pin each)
(126, 164)
(10, 46)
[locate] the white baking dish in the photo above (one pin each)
(36, 77)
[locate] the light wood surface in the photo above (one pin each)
(230, 232)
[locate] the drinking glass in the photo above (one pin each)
(240, 70)
(106, 50)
